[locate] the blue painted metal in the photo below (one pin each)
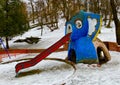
(81, 42)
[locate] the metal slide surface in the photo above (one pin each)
(43, 54)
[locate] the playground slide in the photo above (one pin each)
(42, 55)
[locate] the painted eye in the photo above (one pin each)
(78, 24)
(69, 28)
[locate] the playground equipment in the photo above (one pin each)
(42, 55)
(83, 47)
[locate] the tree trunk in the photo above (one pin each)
(41, 25)
(105, 18)
(98, 7)
(110, 19)
(33, 12)
(117, 22)
(6, 38)
(7, 44)
(41, 30)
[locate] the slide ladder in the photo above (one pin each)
(43, 54)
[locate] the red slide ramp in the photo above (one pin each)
(42, 55)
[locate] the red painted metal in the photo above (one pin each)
(14, 51)
(42, 55)
(112, 46)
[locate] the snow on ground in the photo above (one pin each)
(108, 34)
(59, 73)
(56, 73)
(47, 39)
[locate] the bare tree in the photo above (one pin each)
(39, 5)
(110, 20)
(33, 10)
(109, 12)
(116, 20)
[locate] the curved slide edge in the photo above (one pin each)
(42, 55)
